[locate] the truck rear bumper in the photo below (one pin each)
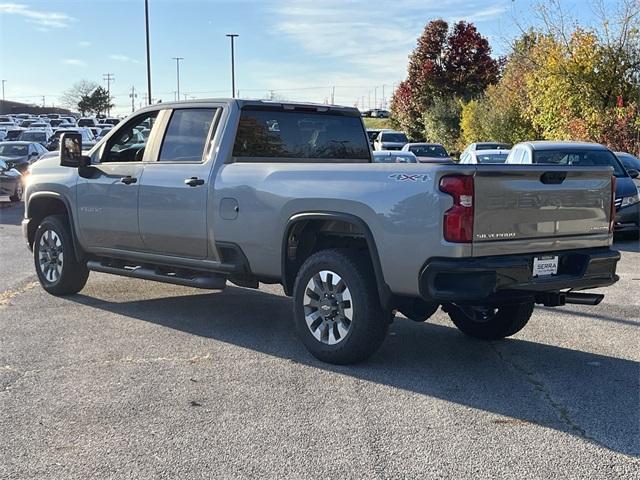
(494, 278)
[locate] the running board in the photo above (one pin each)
(187, 278)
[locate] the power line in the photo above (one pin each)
(133, 95)
(109, 77)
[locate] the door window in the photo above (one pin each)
(187, 135)
(128, 144)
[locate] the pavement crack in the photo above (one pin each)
(561, 411)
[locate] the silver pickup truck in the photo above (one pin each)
(205, 192)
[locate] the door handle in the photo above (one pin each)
(128, 180)
(194, 181)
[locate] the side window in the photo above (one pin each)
(526, 157)
(128, 144)
(294, 136)
(186, 135)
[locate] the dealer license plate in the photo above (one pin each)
(545, 266)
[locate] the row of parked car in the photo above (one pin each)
(394, 147)
(25, 138)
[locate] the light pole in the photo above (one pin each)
(3, 82)
(232, 36)
(146, 20)
(177, 59)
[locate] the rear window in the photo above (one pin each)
(492, 146)
(436, 151)
(393, 137)
(300, 136)
(33, 136)
(581, 158)
(492, 157)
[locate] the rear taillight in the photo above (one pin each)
(458, 220)
(612, 216)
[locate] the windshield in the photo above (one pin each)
(437, 151)
(492, 157)
(581, 158)
(13, 150)
(393, 137)
(33, 136)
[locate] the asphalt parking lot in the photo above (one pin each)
(142, 380)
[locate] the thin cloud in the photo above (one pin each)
(122, 58)
(84, 43)
(74, 62)
(44, 19)
(375, 41)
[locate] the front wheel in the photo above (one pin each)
(58, 270)
(490, 323)
(337, 311)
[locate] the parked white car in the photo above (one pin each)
(390, 140)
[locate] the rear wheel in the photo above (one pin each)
(337, 311)
(490, 323)
(58, 270)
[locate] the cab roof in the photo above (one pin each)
(556, 145)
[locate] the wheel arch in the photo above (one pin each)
(43, 204)
(316, 220)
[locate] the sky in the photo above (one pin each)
(306, 50)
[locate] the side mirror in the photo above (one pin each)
(633, 173)
(71, 151)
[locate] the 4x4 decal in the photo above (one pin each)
(410, 177)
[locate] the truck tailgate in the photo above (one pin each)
(540, 208)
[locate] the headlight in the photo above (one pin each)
(632, 200)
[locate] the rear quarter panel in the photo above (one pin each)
(399, 203)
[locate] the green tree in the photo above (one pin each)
(97, 102)
(442, 122)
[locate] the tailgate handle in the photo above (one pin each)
(553, 178)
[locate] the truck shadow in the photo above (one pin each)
(587, 395)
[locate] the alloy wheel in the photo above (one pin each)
(50, 256)
(328, 307)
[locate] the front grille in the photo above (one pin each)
(618, 203)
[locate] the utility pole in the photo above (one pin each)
(369, 99)
(133, 95)
(43, 103)
(146, 20)
(185, 96)
(232, 37)
(3, 82)
(384, 103)
(333, 95)
(375, 97)
(109, 77)
(177, 59)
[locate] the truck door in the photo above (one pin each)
(107, 196)
(174, 190)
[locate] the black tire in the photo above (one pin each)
(493, 323)
(17, 194)
(368, 323)
(70, 276)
